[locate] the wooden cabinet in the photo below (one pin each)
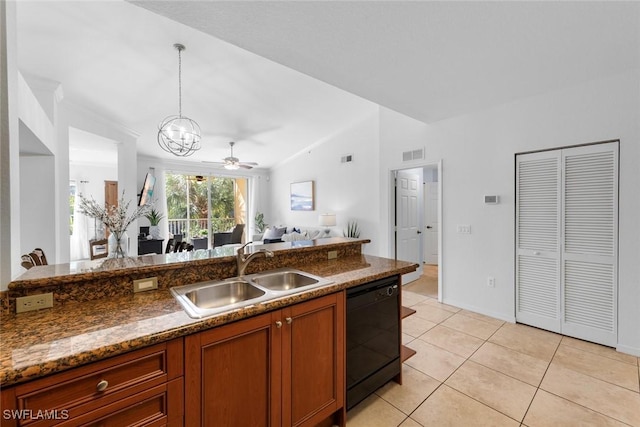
(284, 368)
(143, 387)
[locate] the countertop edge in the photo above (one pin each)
(11, 377)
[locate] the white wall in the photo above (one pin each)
(36, 196)
(94, 177)
(34, 117)
(484, 145)
(9, 175)
(349, 190)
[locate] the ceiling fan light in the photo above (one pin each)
(231, 166)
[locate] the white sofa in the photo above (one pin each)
(291, 234)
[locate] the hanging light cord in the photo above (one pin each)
(179, 47)
(179, 135)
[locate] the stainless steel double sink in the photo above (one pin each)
(205, 299)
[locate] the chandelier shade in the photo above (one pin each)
(179, 135)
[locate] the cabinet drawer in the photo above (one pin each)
(158, 406)
(99, 384)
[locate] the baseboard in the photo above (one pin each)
(634, 351)
(501, 316)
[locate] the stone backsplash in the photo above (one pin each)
(117, 276)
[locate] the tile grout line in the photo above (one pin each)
(464, 394)
(596, 378)
(595, 353)
(540, 383)
(538, 387)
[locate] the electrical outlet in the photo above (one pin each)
(145, 284)
(464, 229)
(332, 254)
(491, 282)
(34, 302)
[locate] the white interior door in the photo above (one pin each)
(408, 220)
(566, 241)
(431, 223)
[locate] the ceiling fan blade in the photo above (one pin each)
(245, 166)
(249, 163)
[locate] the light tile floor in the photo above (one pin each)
(473, 370)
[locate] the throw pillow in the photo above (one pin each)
(314, 234)
(274, 233)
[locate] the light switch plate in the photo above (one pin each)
(464, 229)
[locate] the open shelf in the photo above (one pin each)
(406, 312)
(405, 353)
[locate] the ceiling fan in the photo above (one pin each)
(233, 163)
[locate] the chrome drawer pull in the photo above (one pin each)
(102, 385)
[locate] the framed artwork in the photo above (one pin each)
(302, 196)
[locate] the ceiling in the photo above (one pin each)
(430, 60)
(117, 60)
(427, 60)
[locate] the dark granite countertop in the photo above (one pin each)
(35, 344)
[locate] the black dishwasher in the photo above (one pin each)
(373, 337)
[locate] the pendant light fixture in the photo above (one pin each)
(179, 135)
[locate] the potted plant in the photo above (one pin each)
(259, 222)
(259, 227)
(352, 230)
(154, 217)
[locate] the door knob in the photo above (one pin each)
(429, 227)
(289, 320)
(419, 232)
(278, 324)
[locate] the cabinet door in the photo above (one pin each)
(313, 360)
(228, 375)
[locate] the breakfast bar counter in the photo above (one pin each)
(82, 328)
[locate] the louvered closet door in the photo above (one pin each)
(589, 256)
(566, 241)
(538, 206)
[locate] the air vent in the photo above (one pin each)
(408, 156)
(346, 159)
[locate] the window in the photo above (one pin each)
(199, 206)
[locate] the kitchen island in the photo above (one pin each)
(82, 329)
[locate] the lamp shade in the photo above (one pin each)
(327, 219)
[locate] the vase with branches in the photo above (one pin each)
(116, 218)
